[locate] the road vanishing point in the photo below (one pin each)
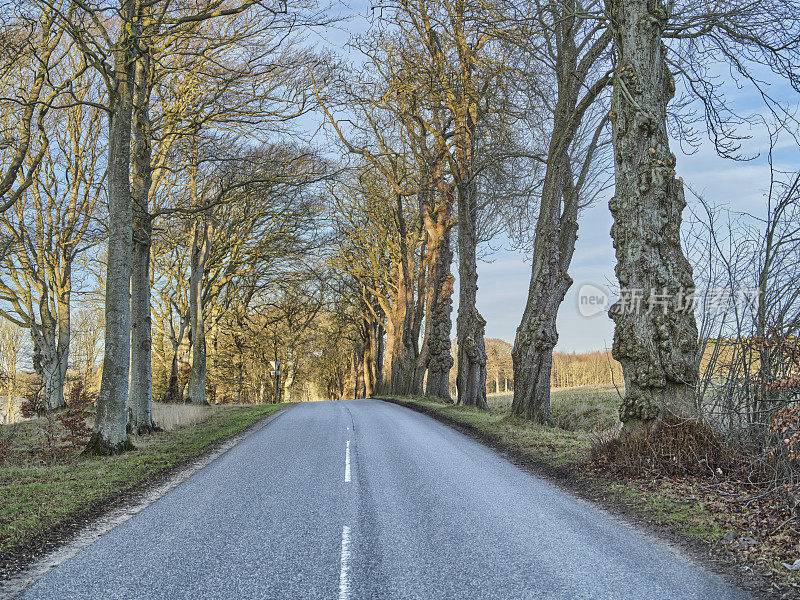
(363, 499)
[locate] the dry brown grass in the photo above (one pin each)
(174, 416)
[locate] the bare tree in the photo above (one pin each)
(51, 225)
(370, 130)
(748, 313)
(573, 47)
(459, 66)
(256, 212)
(31, 80)
(12, 341)
(237, 73)
(122, 33)
(378, 236)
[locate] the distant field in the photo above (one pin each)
(585, 408)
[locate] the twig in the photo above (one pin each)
(789, 520)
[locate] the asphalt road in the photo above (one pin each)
(408, 508)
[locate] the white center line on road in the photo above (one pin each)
(347, 463)
(344, 569)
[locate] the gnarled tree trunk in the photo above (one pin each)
(537, 335)
(470, 325)
(557, 222)
(438, 221)
(398, 367)
(657, 347)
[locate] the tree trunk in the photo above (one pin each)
(440, 361)
(557, 224)
(368, 364)
(110, 431)
(437, 218)
(197, 380)
(470, 325)
(359, 390)
(398, 368)
(141, 378)
(537, 335)
(62, 344)
(380, 354)
(172, 392)
(46, 363)
(417, 376)
(174, 389)
(657, 347)
(11, 379)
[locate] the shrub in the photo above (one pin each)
(63, 431)
(675, 446)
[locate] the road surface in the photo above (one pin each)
(364, 499)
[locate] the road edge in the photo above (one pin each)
(114, 511)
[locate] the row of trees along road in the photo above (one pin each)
(151, 162)
(139, 121)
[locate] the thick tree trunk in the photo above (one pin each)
(440, 360)
(557, 222)
(368, 365)
(141, 379)
(435, 285)
(288, 384)
(656, 342)
(196, 393)
(398, 368)
(380, 354)
(440, 292)
(110, 431)
(470, 325)
(358, 371)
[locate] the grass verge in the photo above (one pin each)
(37, 500)
(721, 523)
